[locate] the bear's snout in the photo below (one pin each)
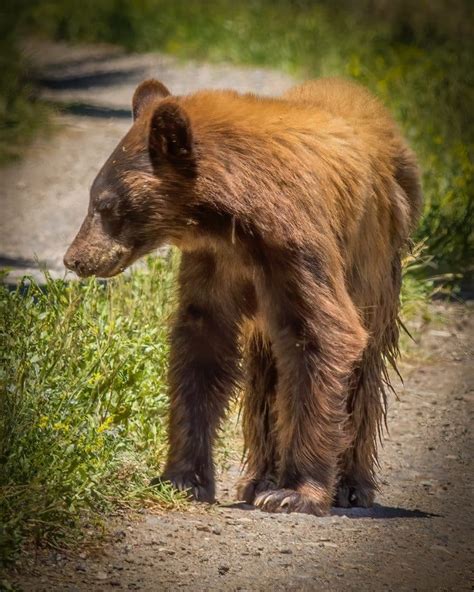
(73, 262)
(70, 261)
(99, 260)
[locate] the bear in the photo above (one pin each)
(292, 215)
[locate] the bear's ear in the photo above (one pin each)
(145, 93)
(170, 132)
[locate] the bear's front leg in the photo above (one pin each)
(203, 372)
(317, 337)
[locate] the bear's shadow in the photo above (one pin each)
(376, 512)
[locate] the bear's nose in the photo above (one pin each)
(71, 262)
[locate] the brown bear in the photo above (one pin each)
(291, 214)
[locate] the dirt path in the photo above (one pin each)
(418, 537)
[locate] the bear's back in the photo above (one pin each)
(339, 97)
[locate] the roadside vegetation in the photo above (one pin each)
(83, 364)
(83, 401)
(22, 116)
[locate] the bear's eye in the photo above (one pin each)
(105, 202)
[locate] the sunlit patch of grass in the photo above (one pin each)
(418, 285)
(83, 401)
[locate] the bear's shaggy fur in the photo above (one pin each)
(291, 215)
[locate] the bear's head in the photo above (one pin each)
(136, 199)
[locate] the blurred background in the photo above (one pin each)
(417, 56)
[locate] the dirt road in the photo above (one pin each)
(417, 537)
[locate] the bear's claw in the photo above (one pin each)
(289, 500)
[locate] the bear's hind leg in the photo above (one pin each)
(367, 399)
(258, 419)
(357, 482)
(317, 340)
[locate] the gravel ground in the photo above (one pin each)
(419, 535)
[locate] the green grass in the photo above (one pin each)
(22, 116)
(82, 401)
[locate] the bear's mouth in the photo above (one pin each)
(126, 259)
(114, 269)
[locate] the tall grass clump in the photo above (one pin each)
(82, 401)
